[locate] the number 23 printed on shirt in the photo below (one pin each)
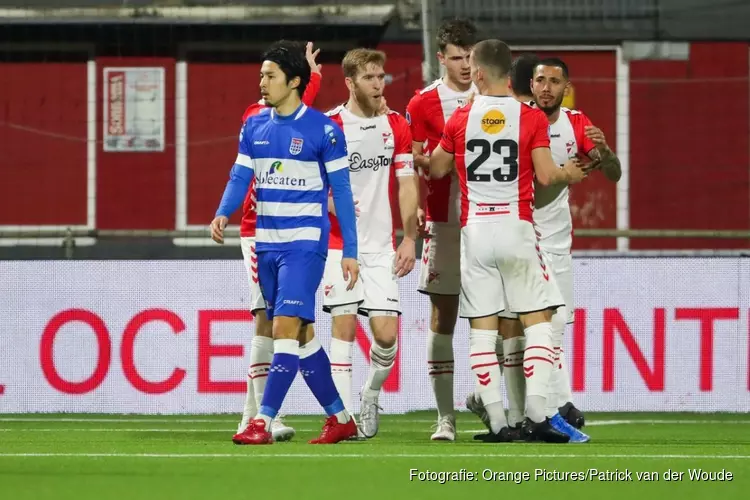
(507, 149)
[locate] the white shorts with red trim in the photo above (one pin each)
(251, 266)
(502, 268)
(440, 269)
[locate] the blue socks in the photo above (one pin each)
(283, 369)
(316, 370)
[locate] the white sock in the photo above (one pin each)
(381, 362)
(537, 368)
(261, 355)
(250, 409)
(562, 387)
(486, 368)
(515, 383)
(440, 368)
(341, 369)
(558, 328)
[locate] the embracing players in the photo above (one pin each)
(440, 276)
(499, 146)
(379, 145)
(571, 134)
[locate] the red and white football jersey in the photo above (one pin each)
(249, 216)
(427, 113)
(379, 152)
(491, 140)
(553, 220)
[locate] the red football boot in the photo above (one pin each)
(333, 431)
(255, 433)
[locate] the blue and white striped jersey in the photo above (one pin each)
(295, 159)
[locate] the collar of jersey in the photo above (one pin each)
(289, 118)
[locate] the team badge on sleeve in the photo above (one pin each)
(331, 134)
(295, 147)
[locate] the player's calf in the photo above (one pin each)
(316, 371)
(382, 357)
(486, 368)
(344, 324)
(440, 361)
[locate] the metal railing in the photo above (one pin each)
(205, 233)
(68, 239)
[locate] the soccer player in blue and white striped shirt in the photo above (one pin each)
(295, 154)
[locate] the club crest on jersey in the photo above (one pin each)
(388, 140)
(569, 147)
(295, 147)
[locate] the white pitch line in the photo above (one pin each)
(63, 429)
(594, 423)
(361, 455)
(292, 420)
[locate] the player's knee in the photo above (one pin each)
(344, 321)
(306, 334)
(510, 328)
(286, 327)
(536, 317)
(384, 326)
(383, 356)
(444, 313)
(263, 326)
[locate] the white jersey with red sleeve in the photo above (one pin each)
(553, 219)
(427, 113)
(491, 140)
(379, 152)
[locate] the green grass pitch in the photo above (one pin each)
(82, 457)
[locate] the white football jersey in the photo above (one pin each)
(379, 152)
(553, 220)
(491, 140)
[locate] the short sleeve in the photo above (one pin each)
(580, 122)
(334, 154)
(448, 140)
(403, 160)
(539, 129)
(415, 119)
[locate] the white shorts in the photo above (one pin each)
(375, 290)
(502, 269)
(440, 269)
(562, 269)
(251, 266)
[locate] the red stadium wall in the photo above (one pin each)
(43, 144)
(136, 190)
(43, 109)
(689, 151)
